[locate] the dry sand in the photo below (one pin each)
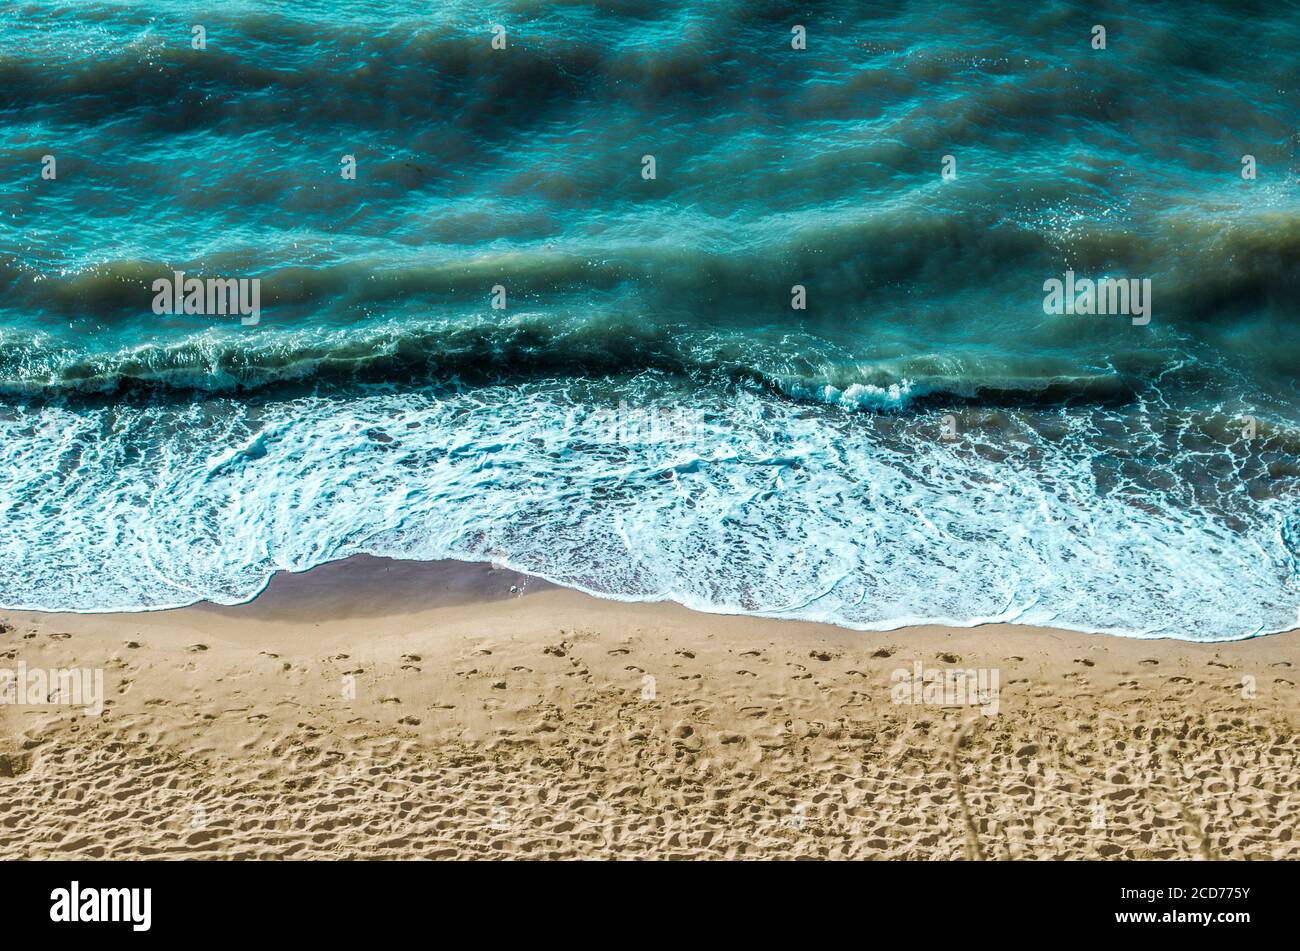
(375, 709)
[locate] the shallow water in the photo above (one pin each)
(648, 417)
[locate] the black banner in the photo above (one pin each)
(332, 901)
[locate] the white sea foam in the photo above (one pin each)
(767, 507)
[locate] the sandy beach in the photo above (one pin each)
(373, 709)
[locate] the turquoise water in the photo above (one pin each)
(648, 417)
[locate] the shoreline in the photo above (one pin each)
(426, 710)
(375, 584)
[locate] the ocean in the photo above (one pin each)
(745, 305)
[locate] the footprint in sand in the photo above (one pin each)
(14, 764)
(197, 648)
